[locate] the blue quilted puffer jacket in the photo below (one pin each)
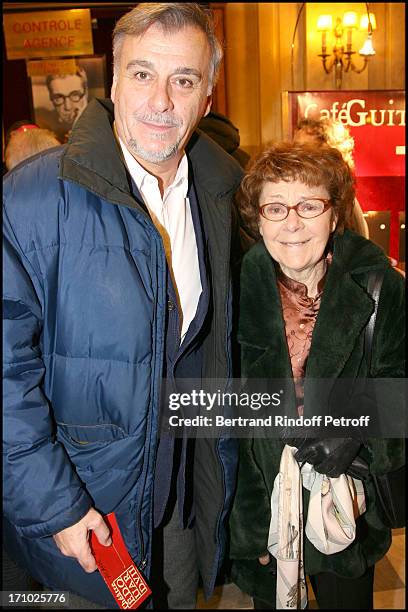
(84, 312)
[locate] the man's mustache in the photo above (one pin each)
(159, 119)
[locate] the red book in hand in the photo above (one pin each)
(123, 578)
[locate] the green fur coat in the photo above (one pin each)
(336, 351)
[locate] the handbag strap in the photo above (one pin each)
(374, 284)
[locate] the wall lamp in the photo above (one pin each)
(341, 59)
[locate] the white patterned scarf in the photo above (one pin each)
(333, 506)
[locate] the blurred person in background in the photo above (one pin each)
(335, 134)
(26, 139)
(226, 134)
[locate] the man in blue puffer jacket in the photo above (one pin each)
(117, 274)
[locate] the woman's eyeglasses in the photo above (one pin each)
(307, 209)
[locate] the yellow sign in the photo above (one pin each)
(48, 34)
(50, 66)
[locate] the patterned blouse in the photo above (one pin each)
(299, 315)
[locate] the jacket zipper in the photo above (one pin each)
(229, 374)
(143, 561)
(142, 565)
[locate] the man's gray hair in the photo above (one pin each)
(24, 144)
(172, 17)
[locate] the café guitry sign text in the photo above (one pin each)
(354, 113)
(48, 34)
(375, 118)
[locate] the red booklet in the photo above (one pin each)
(123, 578)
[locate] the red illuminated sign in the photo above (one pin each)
(376, 121)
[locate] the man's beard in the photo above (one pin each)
(154, 157)
(169, 151)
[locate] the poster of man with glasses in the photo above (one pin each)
(60, 96)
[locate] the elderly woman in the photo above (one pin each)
(303, 313)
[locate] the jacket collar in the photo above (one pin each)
(344, 311)
(94, 159)
(346, 307)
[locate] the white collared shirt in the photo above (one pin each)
(172, 217)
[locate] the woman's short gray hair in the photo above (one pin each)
(172, 17)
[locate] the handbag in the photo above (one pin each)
(389, 487)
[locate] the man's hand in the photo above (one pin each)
(73, 541)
